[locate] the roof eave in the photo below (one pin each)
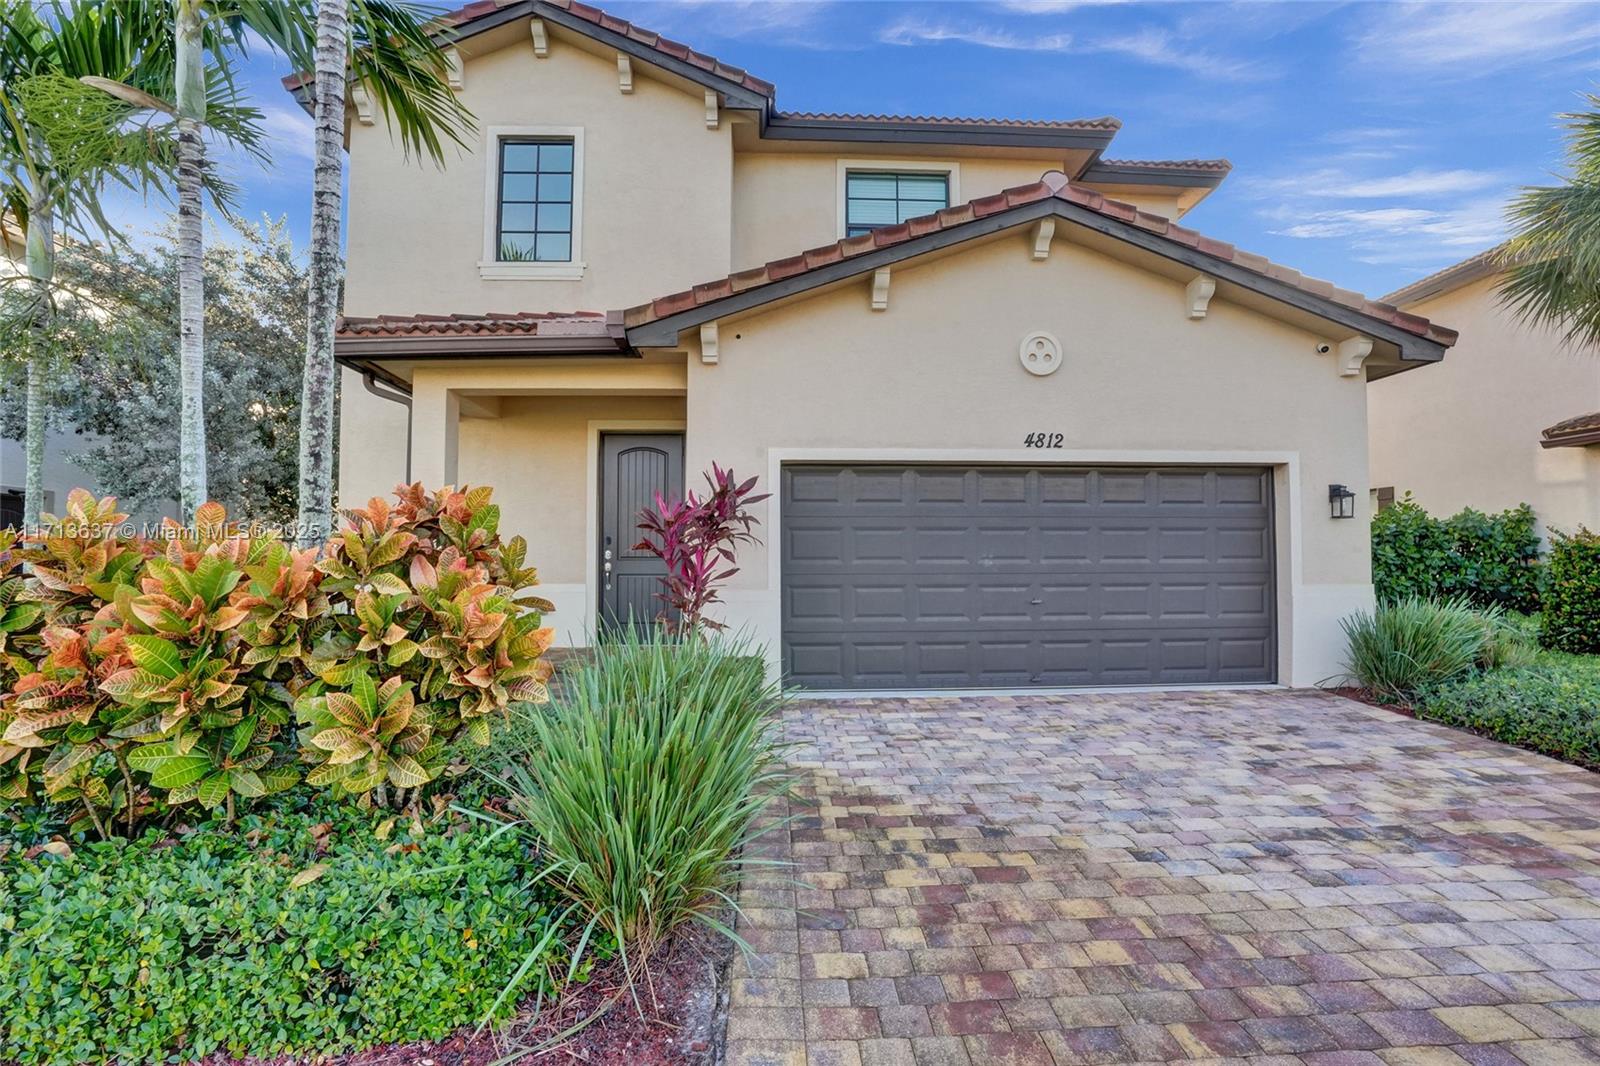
(1581, 439)
(877, 131)
(379, 347)
(663, 332)
(1125, 174)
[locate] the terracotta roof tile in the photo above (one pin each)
(1171, 164)
(528, 323)
(1104, 123)
(1052, 184)
(461, 16)
(1577, 432)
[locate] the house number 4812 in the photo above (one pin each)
(1043, 440)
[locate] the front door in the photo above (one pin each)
(634, 467)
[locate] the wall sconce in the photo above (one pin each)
(1341, 502)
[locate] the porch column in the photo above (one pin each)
(435, 426)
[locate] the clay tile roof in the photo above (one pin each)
(464, 16)
(1105, 123)
(1573, 432)
(1221, 165)
(1052, 184)
(1487, 262)
(520, 323)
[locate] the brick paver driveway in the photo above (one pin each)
(1272, 876)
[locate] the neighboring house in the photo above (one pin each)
(1512, 417)
(1042, 436)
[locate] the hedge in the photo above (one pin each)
(1491, 560)
(316, 931)
(1572, 598)
(1552, 707)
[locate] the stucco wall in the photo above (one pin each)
(1466, 433)
(536, 455)
(656, 189)
(786, 202)
(937, 376)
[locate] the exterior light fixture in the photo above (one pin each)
(1341, 502)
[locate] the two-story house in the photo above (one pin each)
(1020, 427)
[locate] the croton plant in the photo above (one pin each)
(213, 665)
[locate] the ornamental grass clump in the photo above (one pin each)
(1401, 647)
(645, 783)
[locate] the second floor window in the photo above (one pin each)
(535, 224)
(883, 198)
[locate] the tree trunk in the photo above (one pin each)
(41, 256)
(191, 105)
(316, 398)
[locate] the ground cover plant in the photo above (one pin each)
(305, 928)
(1550, 705)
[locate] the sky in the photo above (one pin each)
(1372, 143)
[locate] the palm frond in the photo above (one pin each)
(1553, 260)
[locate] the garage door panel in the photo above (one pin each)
(906, 576)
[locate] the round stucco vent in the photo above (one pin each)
(1040, 353)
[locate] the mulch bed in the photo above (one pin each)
(1363, 695)
(684, 1011)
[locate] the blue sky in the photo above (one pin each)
(1372, 142)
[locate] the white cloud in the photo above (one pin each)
(1160, 48)
(1332, 183)
(1467, 39)
(289, 132)
(787, 22)
(915, 31)
(1053, 7)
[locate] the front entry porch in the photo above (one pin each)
(543, 434)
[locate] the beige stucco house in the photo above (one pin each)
(1021, 429)
(1513, 416)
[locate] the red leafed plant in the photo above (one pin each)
(695, 537)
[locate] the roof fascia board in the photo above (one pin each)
(737, 96)
(1572, 440)
(448, 346)
(778, 128)
(1110, 174)
(663, 333)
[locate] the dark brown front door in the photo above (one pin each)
(634, 467)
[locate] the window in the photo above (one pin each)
(535, 201)
(883, 198)
(10, 510)
(532, 204)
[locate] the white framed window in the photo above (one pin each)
(533, 203)
(883, 192)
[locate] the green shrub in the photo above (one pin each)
(1552, 707)
(1509, 639)
(1491, 560)
(643, 785)
(139, 676)
(1572, 598)
(1397, 649)
(298, 932)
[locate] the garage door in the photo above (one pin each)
(901, 576)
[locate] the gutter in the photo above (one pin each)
(395, 393)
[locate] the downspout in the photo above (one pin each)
(370, 379)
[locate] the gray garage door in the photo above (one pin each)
(959, 577)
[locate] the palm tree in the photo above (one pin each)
(61, 142)
(1553, 261)
(397, 59)
(395, 55)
